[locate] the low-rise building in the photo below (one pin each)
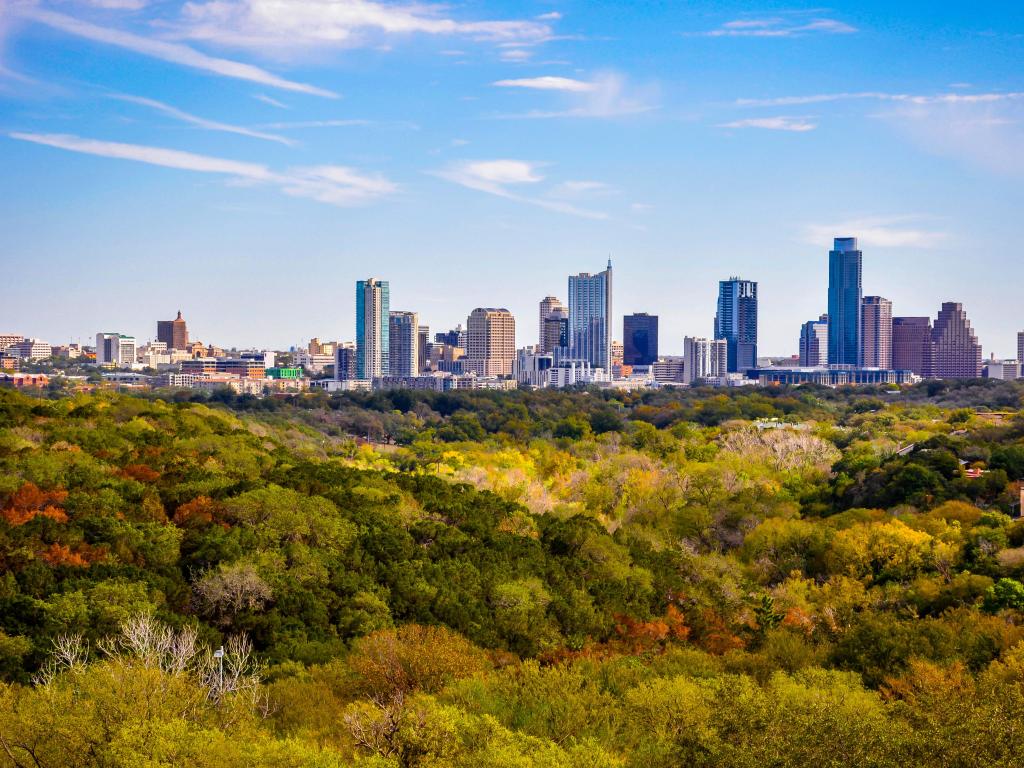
(1002, 369)
(573, 372)
(24, 380)
(30, 349)
(831, 376)
(531, 366)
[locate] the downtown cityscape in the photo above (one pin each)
(511, 384)
(858, 341)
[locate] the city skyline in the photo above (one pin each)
(872, 337)
(539, 135)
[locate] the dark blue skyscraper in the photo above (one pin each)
(736, 322)
(639, 339)
(844, 302)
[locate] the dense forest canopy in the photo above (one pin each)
(773, 577)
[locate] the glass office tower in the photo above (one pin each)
(844, 302)
(736, 322)
(372, 332)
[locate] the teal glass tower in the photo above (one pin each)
(372, 333)
(845, 294)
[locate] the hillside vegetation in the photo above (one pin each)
(786, 578)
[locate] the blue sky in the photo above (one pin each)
(246, 161)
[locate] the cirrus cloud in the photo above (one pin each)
(781, 123)
(172, 52)
(298, 24)
(902, 231)
(780, 27)
(333, 184)
(548, 83)
(606, 95)
(503, 177)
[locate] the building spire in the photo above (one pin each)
(609, 261)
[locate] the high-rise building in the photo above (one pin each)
(639, 339)
(844, 302)
(912, 346)
(736, 322)
(814, 342)
(173, 333)
(556, 333)
(345, 362)
(704, 358)
(549, 306)
(423, 348)
(1020, 348)
(590, 317)
(403, 343)
(456, 337)
(490, 342)
(373, 299)
(957, 351)
(876, 332)
(115, 349)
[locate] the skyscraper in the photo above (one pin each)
(423, 348)
(345, 359)
(556, 332)
(549, 306)
(590, 317)
(844, 302)
(1020, 348)
(373, 298)
(957, 351)
(876, 332)
(736, 322)
(173, 333)
(912, 345)
(639, 339)
(403, 344)
(704, 358)
(490, 342)
(814, 342)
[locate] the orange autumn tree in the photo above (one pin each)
(640, 636)
(29, 501)
(200, 511)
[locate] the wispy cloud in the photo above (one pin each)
(503, 177)
(580, 189)
(908, 98)
(333, 184)
(201, 122)
(516, 54)
(984, 129)
(173, 52)
(116, 5)
(607, 95)
(548, 83)
(298, 124)
(781, 123)
(268, 100)
(878, 232)
(986, 134)
(780, 26)
(299, 24)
